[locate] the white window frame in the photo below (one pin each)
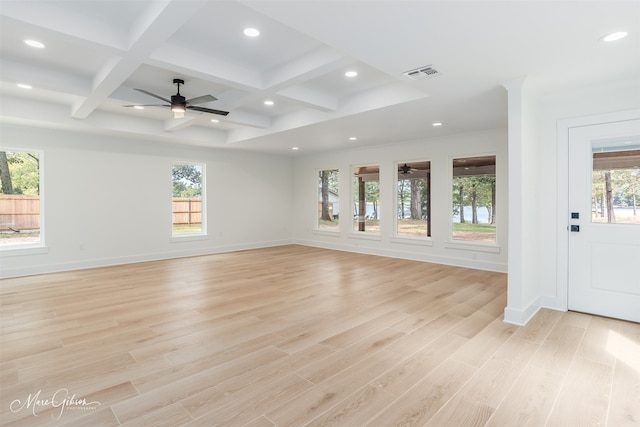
(202, 234)
(419, 240)
(452, 243)
(316, 228)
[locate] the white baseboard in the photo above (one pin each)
(105, 262)
(520, 317)
(403, 254)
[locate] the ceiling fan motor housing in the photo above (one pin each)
(178, 100)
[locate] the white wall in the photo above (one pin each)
(538, 262)
(552, 176)
(440, 152)
(107, 200)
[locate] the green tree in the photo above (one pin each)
(417, 187)
(19, 173)
(403, 196)
(328, 182)
(372, 195)
(187, 180)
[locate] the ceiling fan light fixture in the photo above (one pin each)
(178, 110)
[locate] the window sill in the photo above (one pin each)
(22, 250)
(418, 241)
(326, 233)
(363, 236)
(471, 246)
(189, 238)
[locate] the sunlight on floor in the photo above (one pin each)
(623, 349)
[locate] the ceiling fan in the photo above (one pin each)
(179, 104)
(405, 169)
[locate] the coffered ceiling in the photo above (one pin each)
(98, 52)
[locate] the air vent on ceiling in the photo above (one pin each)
(422, 73)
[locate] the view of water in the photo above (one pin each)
(483, 215)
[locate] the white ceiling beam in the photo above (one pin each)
(286, 80)
(248, 119)
(310, 98)
(158, 23)
(173, 124)
(315, 63)
(381, 97)
(55, 116)
(205, 67)
(15, 72)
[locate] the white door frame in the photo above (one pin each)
(562, 268)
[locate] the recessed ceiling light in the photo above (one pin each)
(295, 148)
(352, 138)
(251, 32)
(35, 43)
(215, 121)
(24, 86)
(351, 73)
(614, 36)
(138, 107)
(268, 102)
(436, 124)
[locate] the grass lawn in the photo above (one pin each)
(474, 228)
(187, 228)
(475, 232)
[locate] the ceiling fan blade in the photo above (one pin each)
(154, 95)
(208, 110)
(201, 99)
(146, 105)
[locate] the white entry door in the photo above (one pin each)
(604, 235)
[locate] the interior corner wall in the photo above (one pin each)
(553, 108)
(107, 200)
(440, 151)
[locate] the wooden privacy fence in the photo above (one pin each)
(23, 212)
(187, 210)
(19, 212)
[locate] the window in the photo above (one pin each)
(188, 192)
(328, 200)
(615, 189)
(366, 199)
(20, 202)
(414, 199)
(474, 199)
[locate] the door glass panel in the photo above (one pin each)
(615, 183)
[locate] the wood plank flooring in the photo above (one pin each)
(299, 336)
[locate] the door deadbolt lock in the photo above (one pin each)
(575, 228)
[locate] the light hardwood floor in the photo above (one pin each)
(297, 336)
